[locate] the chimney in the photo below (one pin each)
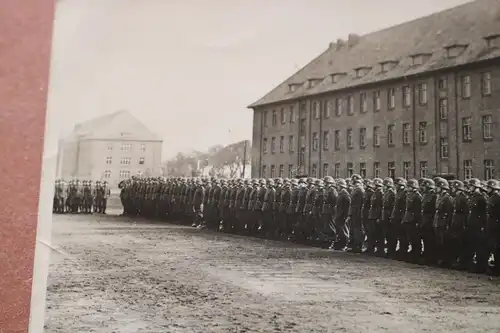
(352, 40)
(340, 43)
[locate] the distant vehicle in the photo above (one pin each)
(447, 176)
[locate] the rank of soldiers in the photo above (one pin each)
(427, 221)
(78, 196)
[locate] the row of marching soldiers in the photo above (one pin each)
(427, 221)
(80, 196)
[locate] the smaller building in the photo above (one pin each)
(113, 147)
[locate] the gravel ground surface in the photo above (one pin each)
(112, 274)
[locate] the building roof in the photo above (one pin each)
(117, 125)
(468, 25)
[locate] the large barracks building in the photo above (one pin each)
(413, 100)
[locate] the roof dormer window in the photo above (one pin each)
(292, 87)
(419, 58)
(362, 71)
(493, 41)
(336, 77)
(387, 65)
(313, 82)
(455, 50)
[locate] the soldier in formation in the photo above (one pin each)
(82, 196)
(452, 224)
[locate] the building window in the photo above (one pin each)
(303, 111)
(264, 171)
(406, 133)
(362, 137)
(489, 169)
(316, 109)
(337, 140)
(467, 129)
(362, 169)
(302, 127)
(406, 169)
(328, 109)
(273, 145)
(443, 108)
(337, 170)
(282, 144)
(125, 160)
(338, 107)
(376, 136)
(290, 170)
(363, 105)
(325, 169)
(275, 118)
(264, 146)
(282, 116)
(143, 147)
(350, 170)
(422, 132)
(141, 160)
(406, 96)
(391, 98)
(376, 170)
(443, 83)
(124, 174)
(465, 82)
(273, 170)
(443, 129)
(107, 174)
(326, 140)
(302, 156)
(468, 169)
(487, 124)
(314, 170)
(126, 147)
(315, 141)
(443, 148)
(110, 146)
(422, 94)
(390, 134)
(391, 168)
(109, 160)
(266, 121)
(486, 84)
(281, 172)
(376, 101)
(349, 139)
(423, 169)
(350, 105)
(291, 144)
(291, 115)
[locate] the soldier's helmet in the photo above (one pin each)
(412, 184)
(302, 180)
(474, 182)
(328, 180)
(355, 177)
(388, 182)
(399, 181)
(319, 183)
(294, 182)
(377, 182)
(342, 183)
(493, 184)
(443, 184)
(368, 183)
(428, 183)
(458, 185)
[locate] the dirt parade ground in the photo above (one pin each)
(112, 274)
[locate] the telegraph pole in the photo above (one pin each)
(244, 159)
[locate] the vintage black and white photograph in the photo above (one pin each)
(274, 166)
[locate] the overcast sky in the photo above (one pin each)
(188, 68)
